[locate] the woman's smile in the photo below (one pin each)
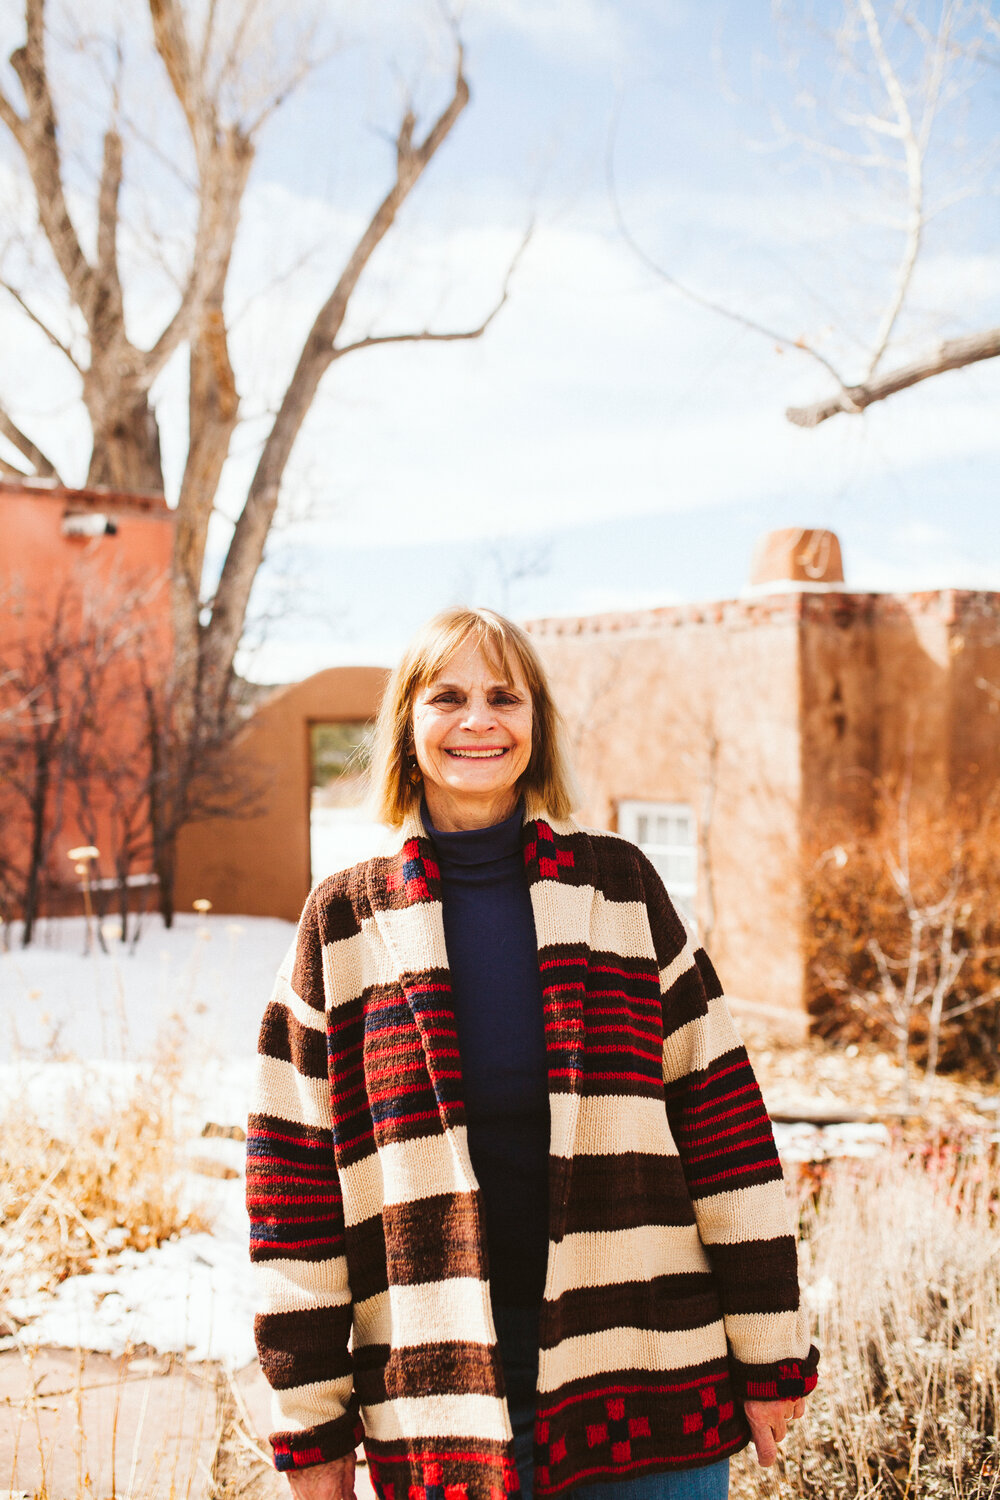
(468, 754)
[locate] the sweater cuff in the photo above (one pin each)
(317, 1445)
(785, 1380)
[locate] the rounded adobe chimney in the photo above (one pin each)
(798, 556)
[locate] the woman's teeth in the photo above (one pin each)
(477, 754)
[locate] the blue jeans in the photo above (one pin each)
(517, 1335)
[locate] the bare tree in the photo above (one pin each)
(928, 908)
(60, 680)
(215, 61)
(895, 67)
(502, 565)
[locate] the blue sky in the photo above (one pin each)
(627, 442)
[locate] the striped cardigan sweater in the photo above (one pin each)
(671, 1289)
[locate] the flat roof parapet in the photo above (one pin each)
(782, 607)
(96, 497)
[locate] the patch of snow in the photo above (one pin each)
(340, 837)
(205, 981)
(802, 1142)
(85, 1029)
(191, 1296)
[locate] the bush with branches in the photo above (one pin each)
(903, 934)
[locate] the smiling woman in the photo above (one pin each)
(514, 1195)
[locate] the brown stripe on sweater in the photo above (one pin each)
(709, 978)
(428, 1370)
(669, 935)
(408, 1243)
(684, 1002)
(669, 1304)
(402, 1449)
(282, 1036)
(765, 1281)
(297, 1348)
(713, 1370)
(364, 1246)
(725, 1181)
(307, 971)
(620, 880)
(433, 1238)
(625, 1192)
(338, 903)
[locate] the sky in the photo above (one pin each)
(609, 443)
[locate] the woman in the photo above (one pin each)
(507, 1141)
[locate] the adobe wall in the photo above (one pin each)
(37, 560)
(50, 583)
(258, 863)
(894, 687)
(646, 697)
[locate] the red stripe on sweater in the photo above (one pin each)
(259, 1199)
(752, 1166)
(722, 1135)
(594, 1047)
(325, 1239)
(629, 1390)
(646, 1036)
(294, 1140)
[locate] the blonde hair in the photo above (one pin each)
(547, 783)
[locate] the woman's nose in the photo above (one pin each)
(478, 714)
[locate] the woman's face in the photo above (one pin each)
(472, 739)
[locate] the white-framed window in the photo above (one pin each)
(667, 834)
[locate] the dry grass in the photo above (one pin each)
(901, 1262)
(111, 1179)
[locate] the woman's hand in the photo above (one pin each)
(332, 1481)
(769, 1424)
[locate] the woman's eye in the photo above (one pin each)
(446, 698)
(505, 700)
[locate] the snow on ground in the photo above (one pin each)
(208, 976)
(79, 1025)
(89, 1024)
(191, 1295)
(800, 1141)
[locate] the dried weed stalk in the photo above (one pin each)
(901, 1264)
(113, 1181)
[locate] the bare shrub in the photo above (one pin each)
(900, 1266)
(112, 1180)
(903, 934)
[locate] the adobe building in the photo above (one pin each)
(722, 736)
(261, 861)
(76, 566)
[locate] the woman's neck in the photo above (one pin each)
(458, 814)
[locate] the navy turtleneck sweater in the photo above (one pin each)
(489, 933)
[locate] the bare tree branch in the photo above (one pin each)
(42, 466)
(951, 354)
(690, 293)
(107, 222)
(246, 548)
(428, 336)
(37, 136)
(39, 323)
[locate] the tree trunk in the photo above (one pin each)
(33, 883)
(126, 451)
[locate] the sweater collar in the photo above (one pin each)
(476, 846)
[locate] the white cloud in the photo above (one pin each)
(586, 30)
